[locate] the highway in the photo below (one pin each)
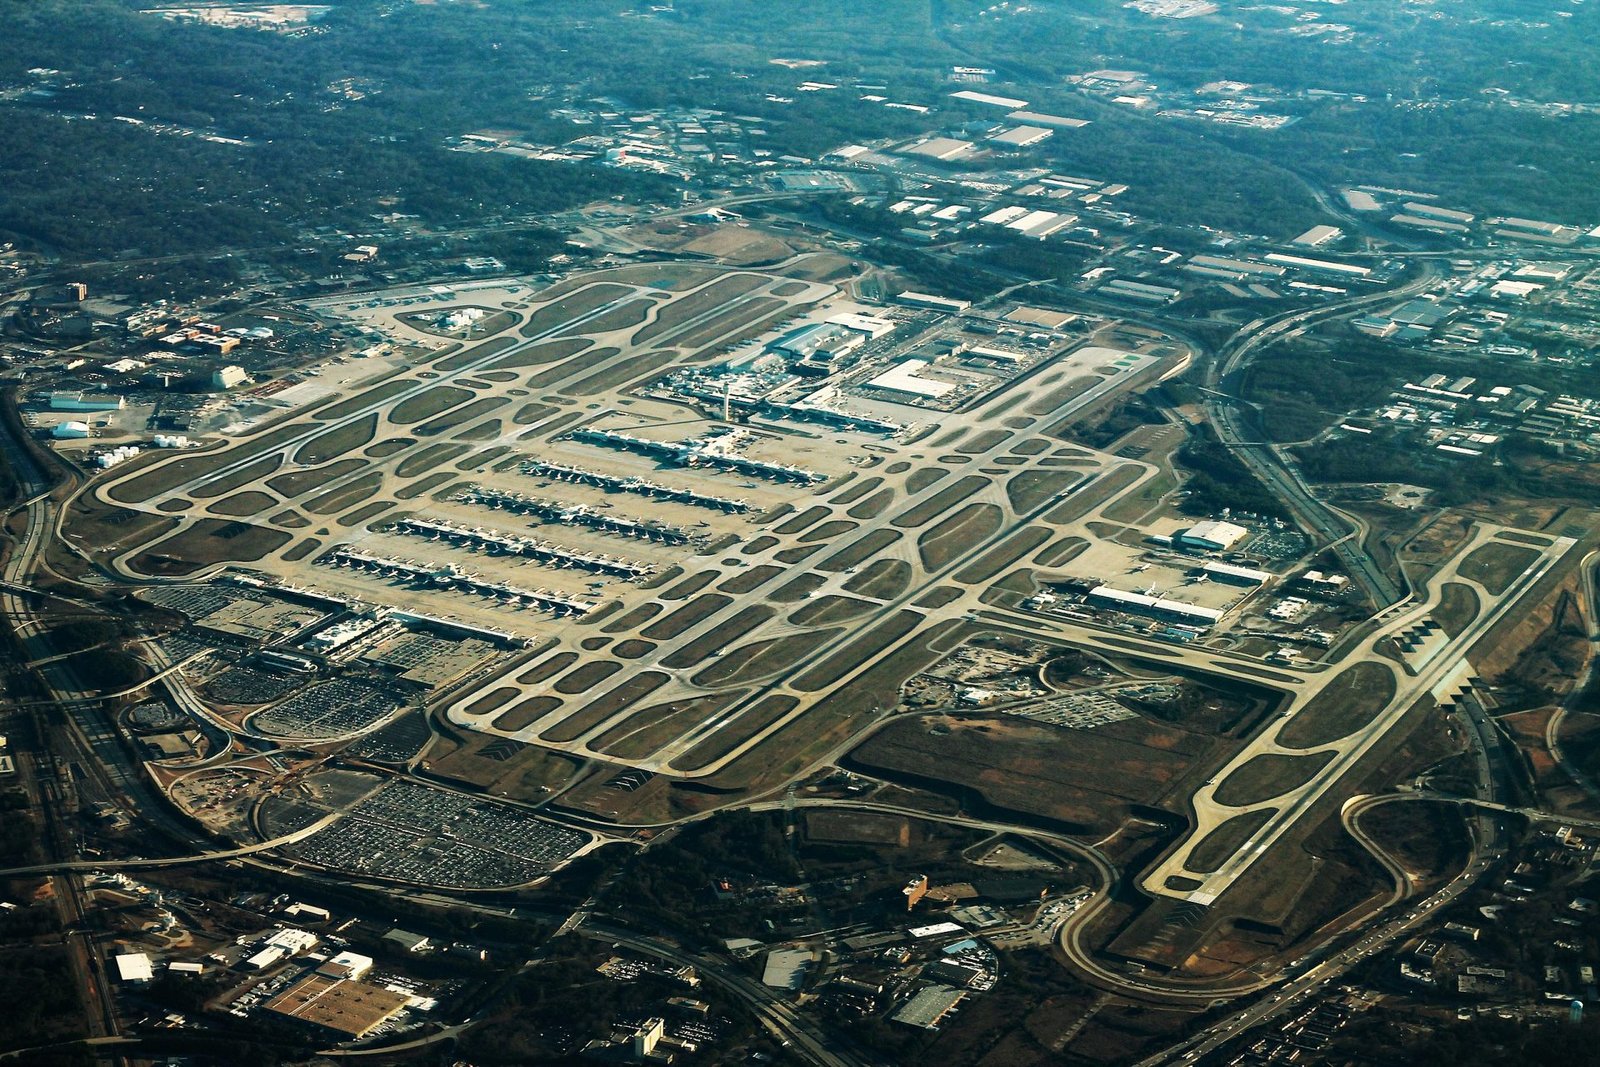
(1228, 416)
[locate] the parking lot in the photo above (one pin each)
(415, 833)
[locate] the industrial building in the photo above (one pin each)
(77, 401)
(1021, 137)
(1318, 236)
(1228, 574)
(929, 1007)
(906, 377)
(1104, 596)
(134, 967)
(1211, 536)
(824, 341)
(936, 303)
(346, 1009)
(228, 377)
(64, 431)
(943, 149)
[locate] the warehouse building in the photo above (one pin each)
(1152, 607)
(1228, 574)
(77, 401)
(936, 303)
(1212, 536)
(345, 1009)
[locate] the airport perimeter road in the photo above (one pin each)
(1485, 852)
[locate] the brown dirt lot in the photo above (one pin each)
(207, 542)
(1086, 779)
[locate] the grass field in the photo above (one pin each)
(586, 677)
(1097, 492)
(1062, 552)
(242, 505)
(747, 663)
(859, 551)
(873, 506)
(540, 354)
(719, 637)
(1029, 489)
(1146, 498)
(857, 489)
(546, 378)
(940, 503)
(731, 735)
(1004, 555)
(883, 578)
(361, 401)
(207, 542)
(798, 588)
(1220, 844)
(1458, 606)
(691, 585)
(424, 486)
(630, 692)
(633, 619)
(570, 307)
(828, 531)
(983, 442)
(426, 459)
(619, 374)
(525, 713)
(292, 484)
(957, 534)
(829, 609)
(356, 492)
(502, 321)
(1085, 780)
(647, 730)
(365, 514)
(799, 522)
(427, 404)
(1061, 395)
(238, 479)
(746, 320)
(694, 612)
(919, 480)
(1496, 566)
(462, 415)
(303, 549)
(547, 668)
(1268, 776)
(685, 308)
(623, 316)
(385, 449)
(1349, 701)
(868, 645)
(750, 578)
(338, 441)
